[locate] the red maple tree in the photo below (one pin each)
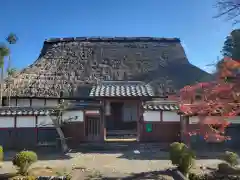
(213, 102)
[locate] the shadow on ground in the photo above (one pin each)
(168, 174)
(43, 154)
(7, 176)
(156, 153)
(123, 151)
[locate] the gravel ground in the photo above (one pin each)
(109, 164)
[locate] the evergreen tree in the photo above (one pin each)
(231, 47)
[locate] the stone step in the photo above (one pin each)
(123, 146)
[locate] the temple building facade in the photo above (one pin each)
(116, 88)
(112, 111)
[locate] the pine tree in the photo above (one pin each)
(227, 47)
(231, 47)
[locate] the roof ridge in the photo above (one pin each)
(111, 39)
(106, 82)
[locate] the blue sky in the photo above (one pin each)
(190, 20)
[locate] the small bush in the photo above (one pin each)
(176, 149)
(186, 161)
(231, 158)
(1, 153)
(23, 160)
(182, 157)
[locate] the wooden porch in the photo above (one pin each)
(122, 120)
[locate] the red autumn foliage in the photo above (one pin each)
(213, 102)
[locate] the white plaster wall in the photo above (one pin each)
(6, 122)
(23, 102)
(234, 120)
(92, 112)
(26, 121)
(170, 116)
(12, 102)
(51, 102)
(44, 121)
(193, 120)
(71, 115)
(152, 116)
(38, 102)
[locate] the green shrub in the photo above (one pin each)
(23, 160)
(186, 161)
(182, 157)
(176, 149)
(231, 158)
(1, 153)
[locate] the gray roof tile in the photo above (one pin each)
(24, 111)
(162, 107)
(122, 88)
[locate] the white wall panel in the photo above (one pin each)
(51, 102)
(38, 102)
(209, 119)
(193, 120)
(26, 121)
(12, 102)
(234, 120)
(152, 116)
(170, 116)
(73, 116)
(44, 121)
(23, 102)
(6, 122)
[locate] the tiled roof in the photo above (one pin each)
(122, 88)
(162, 107)
(25, 111)
(43, 111)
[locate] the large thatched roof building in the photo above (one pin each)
(65, 64)
(109, 79)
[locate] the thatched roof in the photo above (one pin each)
(66, 64)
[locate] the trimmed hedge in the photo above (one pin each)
(23, 160)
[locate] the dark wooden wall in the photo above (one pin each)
(74, 132)
(161, 132)
(26, 138)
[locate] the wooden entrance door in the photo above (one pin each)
(93, 128)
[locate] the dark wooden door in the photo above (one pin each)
(92, 128)
(116, 117)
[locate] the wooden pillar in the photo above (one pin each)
(161, 116)
(103, 120)
(183, 125)
(140, 112)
